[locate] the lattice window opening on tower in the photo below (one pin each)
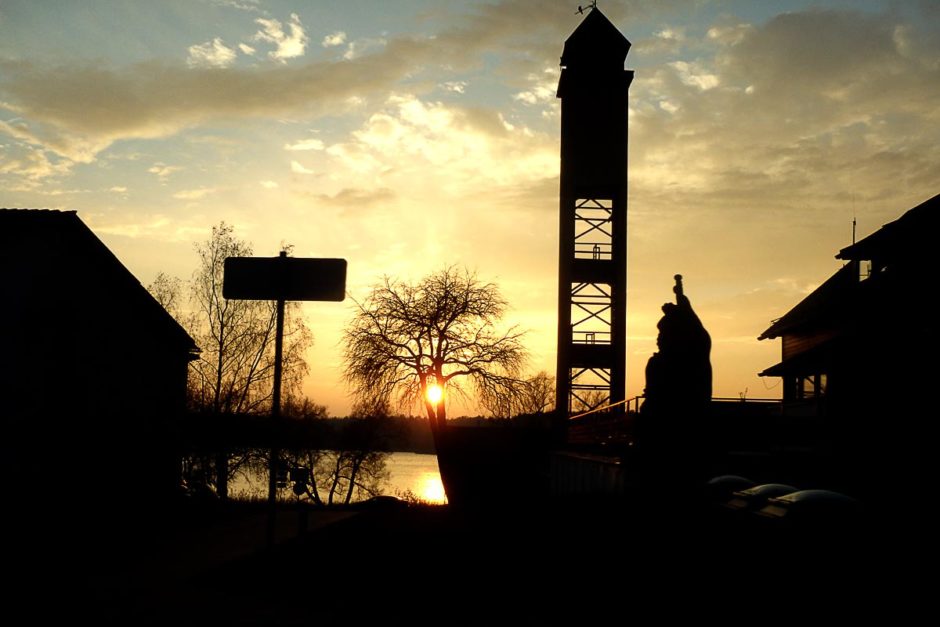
(589, 389)
(593, 230)
(591, 313)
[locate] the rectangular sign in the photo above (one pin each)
(284, 278)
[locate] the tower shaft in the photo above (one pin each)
(592, 254)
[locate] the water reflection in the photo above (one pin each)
(407, 475)
(431, 489)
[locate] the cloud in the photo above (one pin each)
(26, 161)
(334, 39)
(682, 120)
(411, 137)
(269, 184)
(211, 54)
(543, 87)
(289, 45)
(246, 49)
(672, 34)
(356, 49)
(118, 189)
(194, 194)
(458, 87)
(163, 171)
(355, 198)
(305, 144)
(79, 109)
(297, 168)
(241, 5)
(693, 74)
(788, 114)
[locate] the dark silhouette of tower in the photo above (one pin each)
(592, 258)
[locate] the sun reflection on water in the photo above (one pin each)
(430, 488)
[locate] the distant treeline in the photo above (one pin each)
(391, 433)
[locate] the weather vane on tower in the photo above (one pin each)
(581, 9)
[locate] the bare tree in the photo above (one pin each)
(531, 396)
(168, 291)
(538, 395)
(358, 465)
(236, 369)
(435, 335)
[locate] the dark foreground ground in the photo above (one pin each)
(589, 562)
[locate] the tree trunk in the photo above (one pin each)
(336, 476)
(357, 462)
(221, 475)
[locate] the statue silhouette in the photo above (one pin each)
(677, 396)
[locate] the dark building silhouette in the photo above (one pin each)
(857, 354)
(592, 257)
(93, 376)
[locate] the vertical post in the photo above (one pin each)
(275, 420)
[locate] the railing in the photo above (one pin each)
(632, 406)
(595, 251)
(590, 337)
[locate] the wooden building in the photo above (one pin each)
(93, 376)
(857, 353)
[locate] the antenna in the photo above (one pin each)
(581, 9)
(853, 219)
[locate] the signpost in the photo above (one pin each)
(281, 279)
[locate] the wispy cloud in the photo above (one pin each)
(457, 87)
(241, 5)
(305, 144)
(269, 184)
(298, 168)
(163, 171)
(694, 74)
(194, 194)
(334, 39)
(288, 44)
(211, 54)
(30, 162)
(357, 197)
(356, 49)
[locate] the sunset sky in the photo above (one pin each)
(408, 135)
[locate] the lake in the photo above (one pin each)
(412, 475)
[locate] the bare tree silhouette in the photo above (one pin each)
(408, 339)
(235, 371)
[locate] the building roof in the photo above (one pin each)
(912, 233)
(43, 251)
(595, 40)
(899, 254)
(817, 304)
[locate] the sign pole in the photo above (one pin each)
(275, 421)
(280, 279)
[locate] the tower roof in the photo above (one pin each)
(596, 41)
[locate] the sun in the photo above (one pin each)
(435, 393)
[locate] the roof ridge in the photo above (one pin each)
(31, 210)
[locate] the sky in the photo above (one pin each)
(405, 136)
